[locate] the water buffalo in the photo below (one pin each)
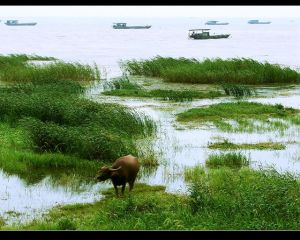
(123, 170)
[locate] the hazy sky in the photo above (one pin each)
(151, 11)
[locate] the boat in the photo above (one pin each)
(124, 26)
(203, 33)
(216, 23)
(16, 23)
(258, 22)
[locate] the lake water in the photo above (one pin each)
(91, 40)
(94, 41)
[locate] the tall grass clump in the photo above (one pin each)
(17, 69)
(211, 71)
(59, 119)
(247, 199)
(20, 59)
(154, 67)
(238, 91)
(121, 83)
(232, 160)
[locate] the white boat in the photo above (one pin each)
(258, 22)
(16, 23)
(216, 23)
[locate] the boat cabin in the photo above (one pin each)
(211, 22)
(253, 21)
(200, 31)
(121, 25)
(12, 21)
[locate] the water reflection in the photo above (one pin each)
(21, 202)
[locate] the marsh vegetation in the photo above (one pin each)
(210, 71)
(48, 126)
(47, 123)
(247, 116)
(123, 87)
(233, 146)
(219, 199)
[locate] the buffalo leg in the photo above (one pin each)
(131, 185)
(123, 188)
(116, 189)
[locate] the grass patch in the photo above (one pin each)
(67, 123)
(46, 123)
(232, 160)
(124, 88)
(193, 173)
(2, 222)
(247, 116)
(172, 95)
(121, 83)
(242, 199)
(17, 157)
(235, 70)
(260, 146)
(17, 69)
(238, 91)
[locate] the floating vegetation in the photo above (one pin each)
(226, 144)
(17, 69)
(209, 71)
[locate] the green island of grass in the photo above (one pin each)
(232, 160)
(244, 114)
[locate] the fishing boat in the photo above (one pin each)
(124, 26)
(216, 23)
(203, 33)
(258, 22)
(16, 23)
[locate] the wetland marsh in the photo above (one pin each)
(193, 140)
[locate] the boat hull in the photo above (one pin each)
(259, 22)
(132, 27)
(21, 24)
(201, 37)
(216, 23)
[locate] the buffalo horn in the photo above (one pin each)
(113, 170)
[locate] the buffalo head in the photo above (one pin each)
(105, 173)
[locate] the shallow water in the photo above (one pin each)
(179, 146)
(176, 146)
(20, 202)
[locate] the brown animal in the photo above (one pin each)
(124, 170)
